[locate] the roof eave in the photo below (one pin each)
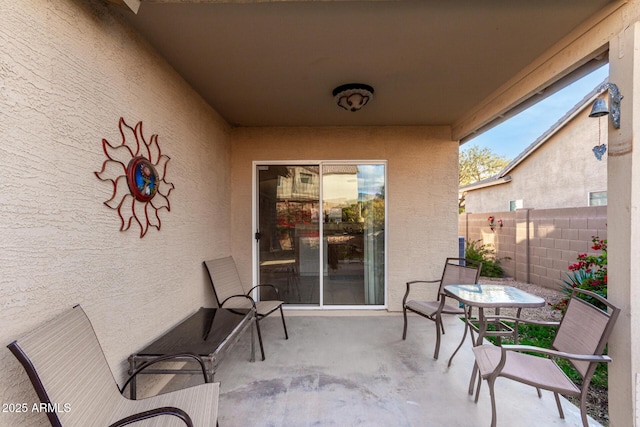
(486, 183)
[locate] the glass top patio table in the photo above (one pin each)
(484, 296)
(493, 296)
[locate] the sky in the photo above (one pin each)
(511, 137)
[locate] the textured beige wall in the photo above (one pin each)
(68, 71)
(559, 174)
(421, 189)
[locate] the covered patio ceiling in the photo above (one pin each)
(275, 63)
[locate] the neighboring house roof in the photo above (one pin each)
(503, 176)
(494, 180)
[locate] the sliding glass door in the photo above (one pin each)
(353, 233)
(321, 233)
(289, 231)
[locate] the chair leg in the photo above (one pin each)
(557, 396)
(493, 401)
(583, 409)
(286, 335)
(404, 331)
(475, 371)
(478, 388)
(260, 338)
(438, 329)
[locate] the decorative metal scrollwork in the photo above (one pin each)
(137, 170)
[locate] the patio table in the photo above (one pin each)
(484, 296)
(209, 333)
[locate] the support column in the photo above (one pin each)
(623, 219)
(522, 263)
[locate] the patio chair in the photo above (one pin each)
(230, 293)
(456, 271)
(581, 338)
(67, 367)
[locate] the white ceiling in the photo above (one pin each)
(275, 63)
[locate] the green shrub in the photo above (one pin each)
(477, 251)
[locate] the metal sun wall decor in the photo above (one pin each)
(137, 170)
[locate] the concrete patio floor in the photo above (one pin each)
(355, 370)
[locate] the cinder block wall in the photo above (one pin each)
(537, 246)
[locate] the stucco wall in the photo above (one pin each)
(68, 71)
(559, 174)
(421, 189)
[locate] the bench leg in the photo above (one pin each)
(260, 337)
(286, 335)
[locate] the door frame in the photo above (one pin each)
(255, 247)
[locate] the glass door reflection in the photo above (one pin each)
(322, 245)
(288, 219)
(353, 206)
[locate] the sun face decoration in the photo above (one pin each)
(139, 190)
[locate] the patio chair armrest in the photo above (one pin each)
(505, 349)
(555, 353)
(268, 285)
(412, 282)
(253, 303)
(164, 358)
(522, 320)
(166, 410)
(422, 281)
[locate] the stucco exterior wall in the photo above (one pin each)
(68, 71)
(420, 193)
(559, 174)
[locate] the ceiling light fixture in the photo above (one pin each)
(353, 96)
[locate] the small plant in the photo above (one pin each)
(576, 278)
(477, 251)
(590, 273)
